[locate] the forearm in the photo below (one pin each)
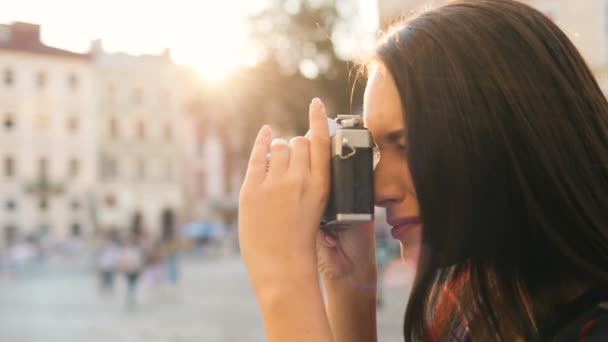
(351, 307)
(295, 312)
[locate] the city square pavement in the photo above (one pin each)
(213, 302)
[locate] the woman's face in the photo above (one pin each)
(394, 189)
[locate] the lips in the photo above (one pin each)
(402, 225)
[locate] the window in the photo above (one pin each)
(41, 80)
(73, 124)
(11, 205)
(141, 130)
(74, 168)
(75, 204)
(73, 81)
(42, 167)
(113, 128)
(43, 204)
(9, 77)
(9, 167)
(9, 121)
(76, 229)
(110, 200)
(168, 132)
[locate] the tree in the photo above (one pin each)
(298, 38)
(300, 61)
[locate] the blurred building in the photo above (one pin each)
(101, 141)
(215, 164)
(585, 22)
(47, 136)
(144, 133)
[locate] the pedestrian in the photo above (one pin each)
(131, 264)
(108, 257)
(171, 260)
(492, 136)
(170, 245)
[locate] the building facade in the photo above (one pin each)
(91, 142)
(47, 136)
(144, 133)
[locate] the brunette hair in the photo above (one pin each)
(508, 150)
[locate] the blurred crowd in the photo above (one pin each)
(133, 255)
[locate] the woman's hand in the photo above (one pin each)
(279, 214)
(280, 208)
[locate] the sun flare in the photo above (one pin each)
(212, 50)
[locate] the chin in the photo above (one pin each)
(410, 247)
(409, 255)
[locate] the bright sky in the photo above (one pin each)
(209, 35)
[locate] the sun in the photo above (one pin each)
(213, 53)
(212, 58)
(214, 65)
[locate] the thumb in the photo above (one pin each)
(327, 239)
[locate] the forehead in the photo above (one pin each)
(382, 110)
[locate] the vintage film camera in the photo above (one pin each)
(353, 159)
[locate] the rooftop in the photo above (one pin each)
(25, 37)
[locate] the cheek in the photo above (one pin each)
(407, 176)
(392, 167)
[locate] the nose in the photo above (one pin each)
(387, 184)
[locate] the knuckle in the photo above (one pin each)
(279, 148)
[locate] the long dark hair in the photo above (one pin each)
(508, 150)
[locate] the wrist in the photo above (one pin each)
(295, 309)
(364, 279)
(351, 307)
(276, 283)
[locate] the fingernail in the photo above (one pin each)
(279, 141)
(316, 102)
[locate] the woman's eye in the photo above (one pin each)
(402, 147)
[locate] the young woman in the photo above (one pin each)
(493, 136)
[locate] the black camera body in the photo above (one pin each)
(351, 198)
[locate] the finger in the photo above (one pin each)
(299, 159)
(319, 141)
(327, 239)
(279, 158)
(256, 169)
